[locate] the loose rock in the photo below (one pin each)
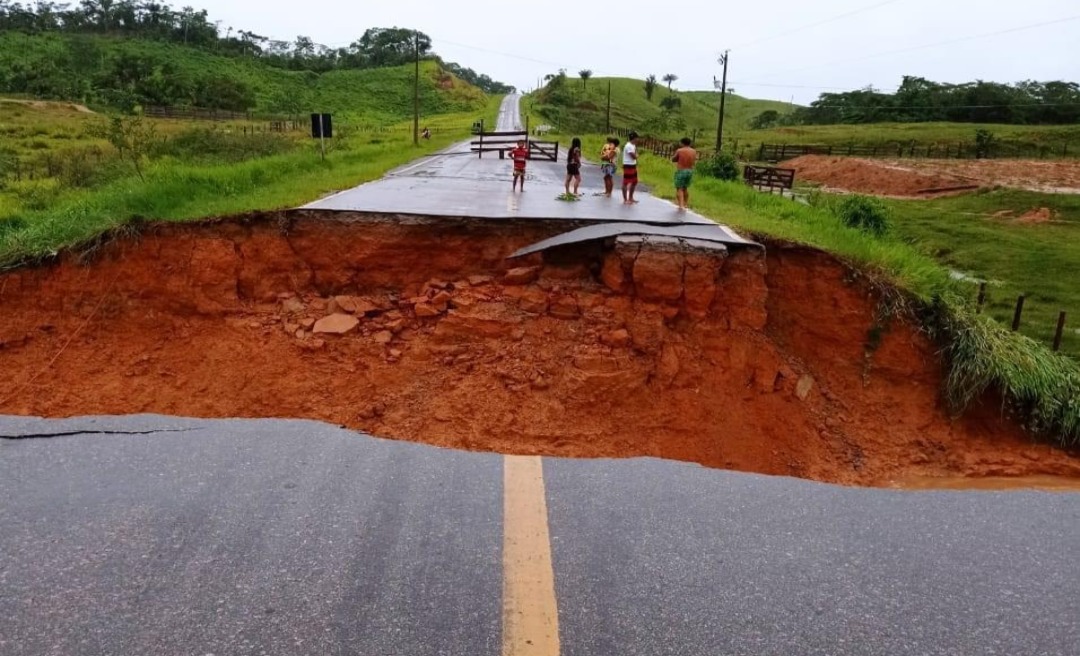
(521, 275)
(384, 337)
(425, 310)
(337, 324)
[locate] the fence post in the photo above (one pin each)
(1019, 311)
(480, 150)
(1060, 330)
(982, 297)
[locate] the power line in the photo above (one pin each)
(944, 107)
(928, 45)
(817, 24)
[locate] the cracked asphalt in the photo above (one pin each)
(147, 534)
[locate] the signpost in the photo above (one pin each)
(322, 128)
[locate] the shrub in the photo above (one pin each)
(984, 143)
(211, 144)
(864, 213)
(722, 166)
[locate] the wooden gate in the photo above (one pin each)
(547, 150)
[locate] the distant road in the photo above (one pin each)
(457, 183)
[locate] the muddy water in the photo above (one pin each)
(989, 483)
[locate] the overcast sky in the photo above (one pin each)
(780, 49)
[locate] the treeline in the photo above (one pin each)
(376, 48)
(921, 100)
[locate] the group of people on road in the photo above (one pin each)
(685, 158)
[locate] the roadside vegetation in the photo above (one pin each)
(571, 105)
(200, 170)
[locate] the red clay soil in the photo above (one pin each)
(867, 176)
(742, 362)
(932, 178)
(1048, 176)
(1041, 215)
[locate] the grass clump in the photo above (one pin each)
(721, 165)
(982, 355)
(864, 213)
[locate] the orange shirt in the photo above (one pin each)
(685, 158)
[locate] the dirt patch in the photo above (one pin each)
(929, 178)
(420, 330)
(47, 104)
(1041, 215)
(864, 176)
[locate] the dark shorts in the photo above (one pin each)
(573, 169)
(519, 173)
(629, 175)
(683, 178)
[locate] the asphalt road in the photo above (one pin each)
(153, 535)
(457, 183)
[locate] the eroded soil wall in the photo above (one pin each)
(748, 362)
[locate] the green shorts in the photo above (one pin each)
(683, 178)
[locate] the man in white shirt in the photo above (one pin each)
(629, 176)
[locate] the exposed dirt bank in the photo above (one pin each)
(744, 362)
(932, 178)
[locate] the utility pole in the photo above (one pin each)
(608, 106)
(416, 93)
(723, 97)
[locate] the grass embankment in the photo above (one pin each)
(41, 219)
(631, 109)
(981, 353)
(381, 95)
(1028, 138)
(1014, 257)
(586, 111)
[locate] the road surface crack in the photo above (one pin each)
(33, 436)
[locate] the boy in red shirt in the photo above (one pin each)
(519, 155)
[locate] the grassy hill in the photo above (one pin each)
(577, 109)
(123, 73)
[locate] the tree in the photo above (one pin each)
(765, 120)
(585, 75)
(670, 79)
(650, 86)
(391, 46)
(671, 103)
(131, 137)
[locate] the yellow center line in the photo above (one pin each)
(530, 612)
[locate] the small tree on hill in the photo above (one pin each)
(130, 136)
(765, 120)
(585, 75)
(671, 103)
(650, 86)
(670, 79)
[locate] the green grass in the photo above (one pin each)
(981, 353)
(699, 112)
(1053, 137)
(178, 191)
(631, 109)
(377, 95)
(1016, 258)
